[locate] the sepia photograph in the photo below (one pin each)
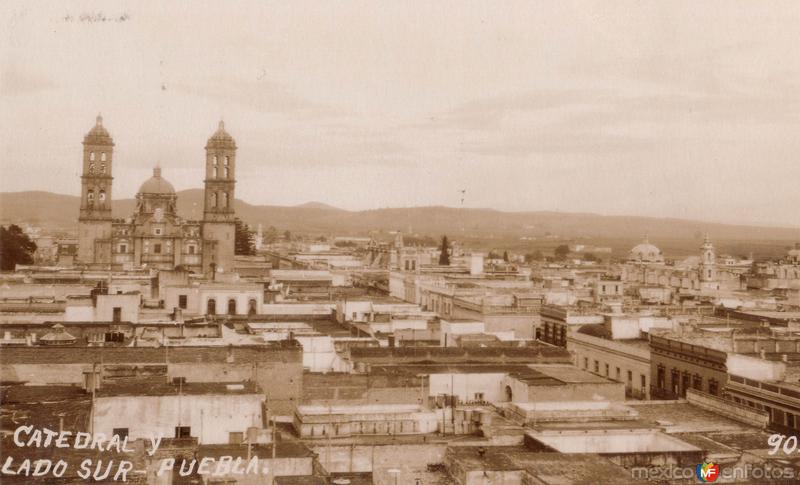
(399, 242)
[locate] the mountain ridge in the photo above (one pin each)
(61, 210)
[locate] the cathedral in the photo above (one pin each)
(154, 236)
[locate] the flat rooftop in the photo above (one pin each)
(138, 388)
(550, 468)
(607, 441)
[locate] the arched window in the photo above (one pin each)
(215, 159)
(509, 394)
(190, 249)
(103, 157)
(90, 197)
(215, 171)
(213, 199)
(251, 307)
(226, 172)
(232, 307)
(225, 200)
(211, 307)
(101, 196)
(91, 156)
(227, 159)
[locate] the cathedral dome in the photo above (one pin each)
(221, 138)
(157, 184)
(646, 252)
(98, 135)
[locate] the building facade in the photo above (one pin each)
(155, 236)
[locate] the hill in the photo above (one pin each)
(61, 211)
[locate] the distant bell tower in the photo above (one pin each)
(708, 264)
(94, 222)
(219, 226)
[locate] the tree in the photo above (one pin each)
(15, 248)
(561, 252)
(245, 239)
(505, 256)
(287, 235)
(444, 256)
(590, 257)
(534, 256)
(271, 236)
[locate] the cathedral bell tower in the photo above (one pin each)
(219, 226)
(94, 222)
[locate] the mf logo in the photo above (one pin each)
(707, 471)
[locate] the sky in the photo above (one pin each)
(652, 108)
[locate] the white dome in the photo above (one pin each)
(646, 252)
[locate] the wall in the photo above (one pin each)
(211, 417)
(618, 355)
(128, 304)
(466, 385)
(756, 368)
(411, 459)
(727, 408)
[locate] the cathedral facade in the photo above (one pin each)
(154, 236)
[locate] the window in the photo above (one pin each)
(596, 367)
(713, 387)
(618, 373)
(90, 196)
(157, 231)
(586, 362)
(227, 160)
(103, 157)
(479, 396)
(235, 437)
(91, 156)
(116, 314)
(231, 307)
(215, 171)
(214, 197)
(122, 433)
(630, 377)
(225, 200)
(157, 248)
(183, 431)
(211, 307)
(123, 248)
(102, 168)
(102, 196)
(182, 301)
(644, 381)
(227, 174)
(191, 249)
(91, 169)
(251, 307)
(607, 374)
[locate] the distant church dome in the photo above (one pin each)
(646, 252)
(157, 184)
(221, 138)
(98, 135)
(794, 254)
